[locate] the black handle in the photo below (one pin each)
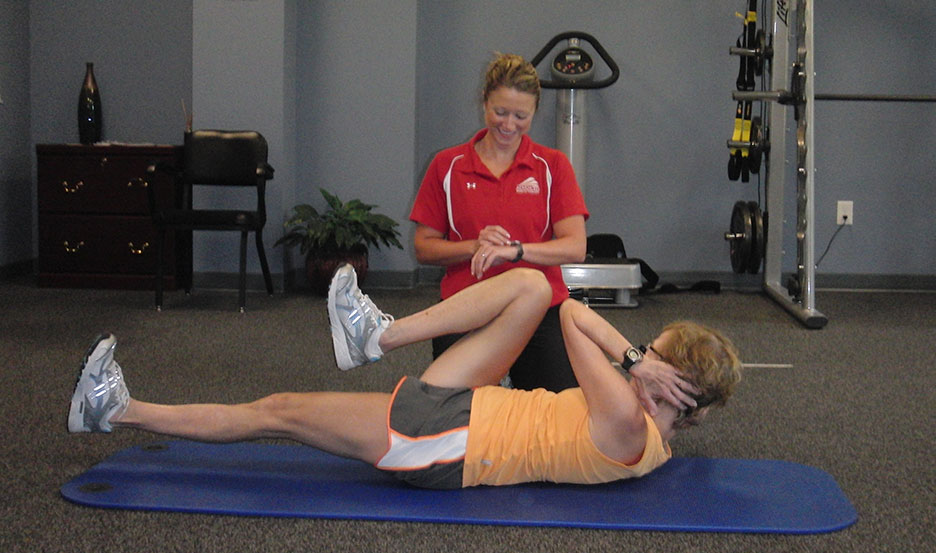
(610, 80)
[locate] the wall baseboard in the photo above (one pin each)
(425, 276)
(876, 282)
(295, 279)
(18, 269)
(746, 282)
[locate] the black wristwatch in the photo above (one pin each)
(631, 357)
(519, 251)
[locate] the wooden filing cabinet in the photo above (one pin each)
(95, 229)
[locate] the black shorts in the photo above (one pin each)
(428, 434)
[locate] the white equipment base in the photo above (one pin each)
(621, 279)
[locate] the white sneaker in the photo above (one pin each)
(100, 392)
(356, 323)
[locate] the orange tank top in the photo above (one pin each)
(519, 436)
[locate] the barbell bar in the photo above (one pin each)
(787, 97)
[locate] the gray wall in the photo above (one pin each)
(357, 109)
(240, 82)
(879, 155)
(142, 55)
(16, 193)
(357, 96)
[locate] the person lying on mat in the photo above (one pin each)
(455, 426)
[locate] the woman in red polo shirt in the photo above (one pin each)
(502, 201)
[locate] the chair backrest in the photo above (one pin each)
(605, 246)
(235, 158)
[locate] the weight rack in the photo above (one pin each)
(798, 297)
(791, 29)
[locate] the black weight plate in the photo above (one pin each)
(761, 243)
(742, 230)
(756, 151)
(734, 166)
(757, 242)
(760, 40)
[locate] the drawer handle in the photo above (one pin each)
(73, 249)
(71, 188)
(140, 181)
(138, 251)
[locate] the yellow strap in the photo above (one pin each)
(738, 124)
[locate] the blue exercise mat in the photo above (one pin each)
(686, 494)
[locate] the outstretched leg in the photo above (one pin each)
(347, 424)
(500, 313)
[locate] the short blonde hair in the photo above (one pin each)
(708, 360)
(512, 71)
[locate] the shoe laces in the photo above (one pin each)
(370, 309)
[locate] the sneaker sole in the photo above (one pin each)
(339, 343)
(76, 411)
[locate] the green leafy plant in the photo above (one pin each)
(344, 226)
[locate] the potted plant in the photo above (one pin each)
(340, 234)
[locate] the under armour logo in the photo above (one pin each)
(471, 185)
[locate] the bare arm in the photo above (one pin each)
(617, 424)
(567, 246)
(432, 248)
(655, 378)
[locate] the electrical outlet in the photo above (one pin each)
(844, 213)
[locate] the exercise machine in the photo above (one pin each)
(572, 73)
(785, 55)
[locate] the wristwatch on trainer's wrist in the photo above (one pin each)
(519, 246)
(632, 356)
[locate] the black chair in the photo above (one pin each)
(217, 159)
(604, 247)
(609, 249)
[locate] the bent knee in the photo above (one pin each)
(532, 282)
(568, 307)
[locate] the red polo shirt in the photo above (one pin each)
(459, 196)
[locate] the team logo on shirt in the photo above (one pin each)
(471, 185)
(529, 186)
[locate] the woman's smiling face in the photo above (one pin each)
(508, 114)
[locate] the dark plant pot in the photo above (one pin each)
(320, 266)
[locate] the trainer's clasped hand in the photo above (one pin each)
(492, 248)
(490, 256)
(494, 235)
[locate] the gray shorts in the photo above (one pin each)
(428, 433)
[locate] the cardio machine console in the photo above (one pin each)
(573, 64)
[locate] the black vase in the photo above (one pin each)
(89, 109)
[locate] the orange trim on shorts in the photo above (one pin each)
(391, 432)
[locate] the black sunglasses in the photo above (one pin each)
(643, 349)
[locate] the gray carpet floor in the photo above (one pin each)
(858, 402)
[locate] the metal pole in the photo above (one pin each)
(875, 98)
(803, 306)
(775, 168)
(809, 290)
